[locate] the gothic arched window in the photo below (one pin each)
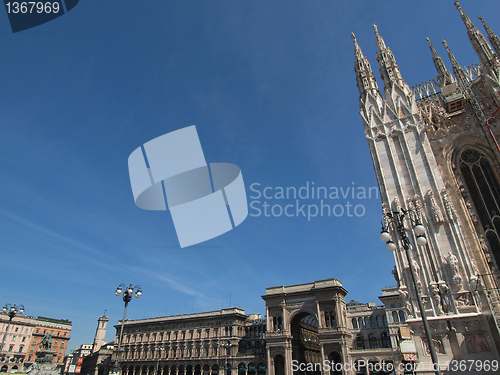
(484, 191)
(402, 317)
(395, 317)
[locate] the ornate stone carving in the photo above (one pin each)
(405, 296)
(473, 216)
(455, 269)
(438, 345)
(473, 285)
(485, 248)
(416, 269)
(436, 296)
(395, 205)
(463, 299)
(450, 210)
(437, 215)
(418, 206)
(427, 302)
(445, 297)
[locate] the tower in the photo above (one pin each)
(432, 153)
(100, 333)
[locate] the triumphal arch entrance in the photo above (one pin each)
(306, 328)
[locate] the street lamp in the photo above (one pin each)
(226, 345)
(11, 311)
(158, 349)
(127, 297)
(397, 219)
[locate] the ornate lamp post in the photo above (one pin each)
(158, 349)
(397, 220)
(11, 311)
(127, 297)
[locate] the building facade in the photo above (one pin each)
(311, 330)
(193, 344)
(435, 152)
(307, 324)
(22, 339)
(15, 338)
(60, 329)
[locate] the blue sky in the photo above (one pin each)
(271, 88)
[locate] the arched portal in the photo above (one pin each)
(310, 323)
(305, 343)
(279, 365)
(335, 362)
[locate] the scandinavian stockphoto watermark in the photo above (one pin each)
(310, 200)
(389, 367)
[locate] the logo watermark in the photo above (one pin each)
(205, 200)
(24, 15)
(310, 200)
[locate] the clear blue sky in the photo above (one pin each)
(271, 88)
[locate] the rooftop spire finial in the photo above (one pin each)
(444, 76)
(468, 23)
(479, 42)
(433, 50)
(494, 39)
(366, 81)
(380, 42)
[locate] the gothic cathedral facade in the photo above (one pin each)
(435, 152)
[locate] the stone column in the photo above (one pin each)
(288, 357)
(269, 362)
(322, 353)
(320, 319)
(345, 357)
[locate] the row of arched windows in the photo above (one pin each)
(277, 323)
(182, 335)
(398, 316)
(373, 341)
(370, 321)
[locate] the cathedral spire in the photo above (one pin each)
(479, 42)
(494, 39)
(444, 76)
(464, 84)
(389, 69)
(365, 79)
(378, 39)
(457, 69)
